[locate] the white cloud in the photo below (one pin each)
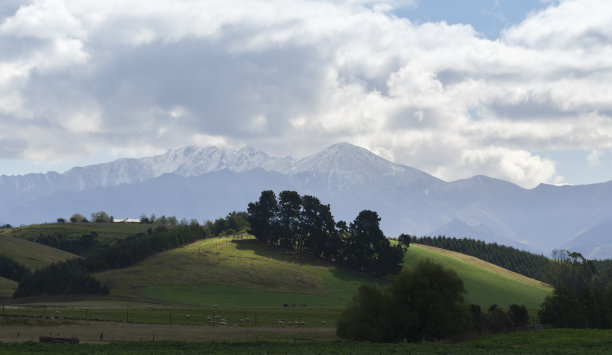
(294, 76)
(593, 159)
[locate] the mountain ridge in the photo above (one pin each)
(208, 182)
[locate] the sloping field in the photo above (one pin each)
(240, 272)
(31, 255)
(7, 287)
(228, 271)
(486, 283)
(107, 232)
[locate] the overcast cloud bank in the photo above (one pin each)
(291, 77)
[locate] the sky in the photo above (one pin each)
(519, 90)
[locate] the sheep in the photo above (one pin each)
(280, 322)
(209, 318)
(222, 323)
(323, 322)
(187, 315)
(247, 319)
(289, 323)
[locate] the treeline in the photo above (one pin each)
(79, 245)
(67, 278)
(582, 296)
(73, 276)
(304, 224)
(423, 303)
(235, 222)
(522, 262)
(12, 270)
(140, 246)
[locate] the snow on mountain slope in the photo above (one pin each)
(205, 182)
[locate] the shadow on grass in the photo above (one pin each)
(281, 254)
(338, 271)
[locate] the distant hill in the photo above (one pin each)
(107, 232)
(208, 182)
(32, 255)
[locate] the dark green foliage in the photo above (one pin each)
(234, 222)
(100, 217)
(304, 224)
(263, 217)
(77, 218)
(424, 303)
(368, 318)
(519, 261)
(67, 278)
(583, 293)
(562, 309)
(140, 246)
(497, 320)
(12, 270)
(404, 240)
(72, 277)
(519, 315)
(80, 246)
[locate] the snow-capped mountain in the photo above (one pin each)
(209, 182)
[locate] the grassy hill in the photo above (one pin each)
(240, 272)
(486, 283)
(31, 255)
(247, 273)
(107, 232)
(7, 287)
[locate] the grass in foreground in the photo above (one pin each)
(551, 341)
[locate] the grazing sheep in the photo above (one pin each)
(187, 315)
(209, 318)
(289, 323)
(280, 322)
(247, 319)
(57, 312)
(323, 322)
(222, 323)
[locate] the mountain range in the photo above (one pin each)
(208, 182)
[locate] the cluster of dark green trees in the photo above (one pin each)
(73, 276)
(79, 245)
(582, 296)
(9, 269)
(235, 222)
(519, 261)
(304, 224)
(423, 303)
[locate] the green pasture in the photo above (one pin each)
(239, 272)
(550, 341)
(276, 317)
(484, 285)
(243, 272)
(29, 254)
(108, 233)
(7, 287)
